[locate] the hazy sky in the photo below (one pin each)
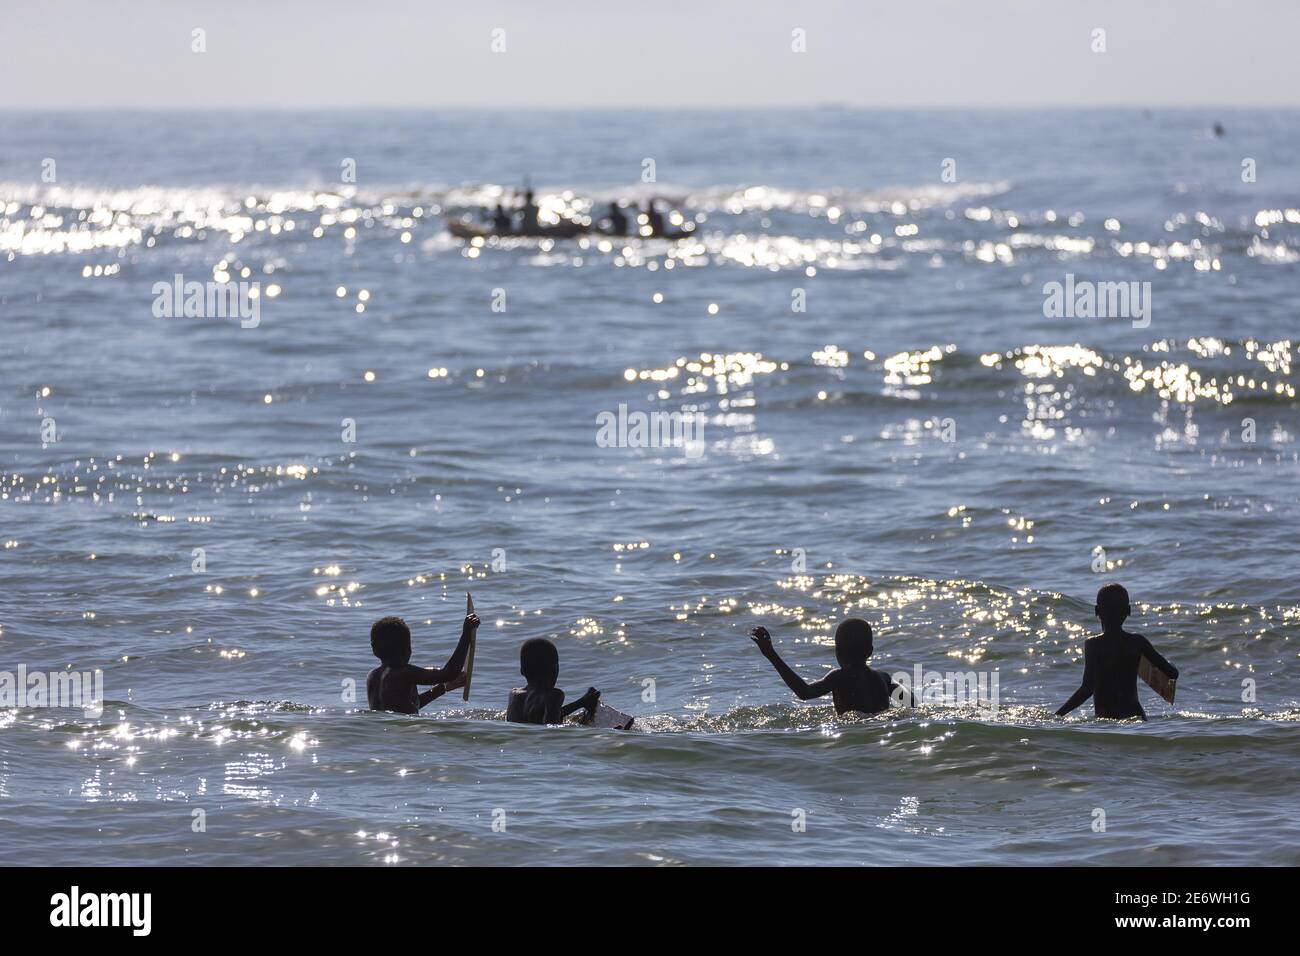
(561, 53)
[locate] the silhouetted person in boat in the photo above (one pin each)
(1218, 129)
(617, 220)
(854, 686)
(528, 218)
(501, 220)
(541, 702)
(654, 219)
(392, 685)
(1110, 662)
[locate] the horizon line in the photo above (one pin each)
(651, 108)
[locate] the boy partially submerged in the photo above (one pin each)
(393, 685)
(541, 702)
(1111, 661)
(854, 686)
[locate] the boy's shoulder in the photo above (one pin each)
(1127, 635)
(867, 671)
(513, 701)
(882, 675)
(520, 695)
(1125, 638)
(1137, 642)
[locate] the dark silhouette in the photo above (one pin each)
(528, 217)
(1110, 662)
(392, 685)
(854, 686)
(541, 702)
(501, 220)
(1218, 129)
(654, 218)
(617, 220)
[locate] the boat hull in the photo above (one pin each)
(570, 230)
(467, 230)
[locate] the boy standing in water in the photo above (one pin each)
(854, 686)
(541, 702)
(392, 685)
(1110, 662)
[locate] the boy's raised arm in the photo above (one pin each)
(802, 689)
(452, 669)
(457, 659)
(1085, 689)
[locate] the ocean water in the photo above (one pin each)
(921, 445)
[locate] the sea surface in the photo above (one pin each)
(888, 424)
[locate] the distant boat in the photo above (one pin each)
(565, 230)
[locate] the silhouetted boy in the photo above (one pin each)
(392, 685)
(617, 220)
(501, 220)
(528, 221)
(854, 686)
(541, 702)
(654, 219)
(1110, 662)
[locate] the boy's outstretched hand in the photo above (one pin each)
(471, 623)
(455, 682)
(763, 639)
(590, 699)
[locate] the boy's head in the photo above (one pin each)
(390, 639)
(852, 642)
(539, 662)
(1112, 605)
